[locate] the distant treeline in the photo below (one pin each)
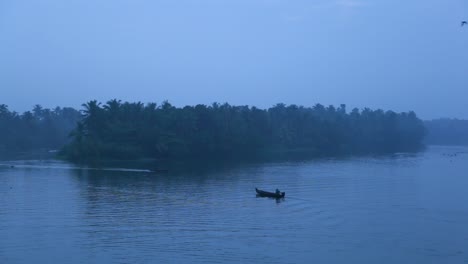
(447, 131)
(123, 130)
(46, 129)
(126, 130)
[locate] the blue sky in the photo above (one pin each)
(390, 54)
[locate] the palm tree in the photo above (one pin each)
(91, 108)
(92, 117)
(38, 111)
(112, 105)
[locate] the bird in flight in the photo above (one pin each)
(464, 23)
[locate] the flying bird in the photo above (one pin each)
(464, 23)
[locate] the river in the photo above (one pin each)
(401, 208)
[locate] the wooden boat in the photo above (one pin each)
(269, 194)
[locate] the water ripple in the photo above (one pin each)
(401, 208)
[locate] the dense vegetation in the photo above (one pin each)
(126, 130)
(447, 132)
(37, 129)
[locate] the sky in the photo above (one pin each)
(396, 55)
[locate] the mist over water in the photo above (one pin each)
(173, 112)
(402, 208)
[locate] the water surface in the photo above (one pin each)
(404, 208)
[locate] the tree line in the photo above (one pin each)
(446, 131)
(38, 129)
(124, 130)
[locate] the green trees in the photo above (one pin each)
(447, 131)
(133, 130)
(123, 130)
(37, 129)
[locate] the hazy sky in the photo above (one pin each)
(391, 54)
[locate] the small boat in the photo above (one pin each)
(269, 194)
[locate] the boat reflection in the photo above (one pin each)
(277, 200)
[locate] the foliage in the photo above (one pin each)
(37, 129)
(126, 130)
(447, 131)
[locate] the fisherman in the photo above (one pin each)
(277, 192)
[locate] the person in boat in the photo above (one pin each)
(277, 191)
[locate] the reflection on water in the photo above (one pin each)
(277, 200)
(403, 208)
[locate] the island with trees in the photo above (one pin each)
(126, 131)
(123, 130)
